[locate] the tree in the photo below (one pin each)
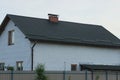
(40, 71)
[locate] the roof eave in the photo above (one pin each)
(4, 23)
(94, 67)
(74, 43)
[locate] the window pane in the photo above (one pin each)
(73, 67)
(11, 37)
(2, 66)
(19, 65)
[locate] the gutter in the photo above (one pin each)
(32, 55)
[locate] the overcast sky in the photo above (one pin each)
(101, 12)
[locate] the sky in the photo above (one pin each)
(100, 12)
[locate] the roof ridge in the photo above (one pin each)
(59, 20)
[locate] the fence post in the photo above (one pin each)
(64, 72)
(64, 75)
(11, 75)
(92, 74)
(116, 75)
(86, 74)
(106, 75)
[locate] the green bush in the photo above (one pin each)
(10, 68)
(40, 71)
(97, 77)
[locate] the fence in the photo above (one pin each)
(60, 75)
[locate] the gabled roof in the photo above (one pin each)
(67, 32)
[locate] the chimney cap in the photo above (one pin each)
(52, 15)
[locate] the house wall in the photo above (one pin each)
(61, 56)
(20, 51)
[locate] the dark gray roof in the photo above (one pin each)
(67, 32)
(100, 67)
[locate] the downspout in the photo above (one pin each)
(32, 55)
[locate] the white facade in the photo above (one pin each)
(60, 57)
(54, 56)
(20, 51)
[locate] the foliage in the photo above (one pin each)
(69, 78)
(40, 71)
(10, 68)
(97, 77)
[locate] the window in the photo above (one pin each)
(19, 65)
(73, 67)
(11, 37)
(2, 66)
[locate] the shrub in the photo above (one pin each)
(10, 68)
(97, 77)
(40, 71)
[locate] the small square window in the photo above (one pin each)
(11, 37)
(19, 65)
(73, 67)
(2, 66)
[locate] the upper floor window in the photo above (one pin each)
(2, 65)
(19, 65)
(11, 37)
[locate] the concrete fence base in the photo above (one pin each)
(61, 75)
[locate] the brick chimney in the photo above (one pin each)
(53, 18)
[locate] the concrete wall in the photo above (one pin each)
(20, 51)
(60, 75)
(61, 56)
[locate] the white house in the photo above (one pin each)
(26, 42)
